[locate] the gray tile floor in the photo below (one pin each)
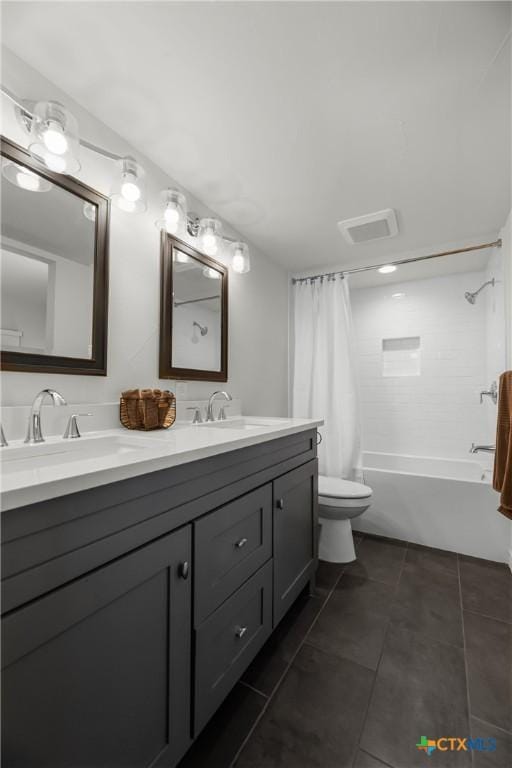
(405, 642)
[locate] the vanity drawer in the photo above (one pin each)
(228, 641)
(230, 545)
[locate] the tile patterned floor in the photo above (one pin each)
(407, 641)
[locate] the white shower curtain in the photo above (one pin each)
(324, 372)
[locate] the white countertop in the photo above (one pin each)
(57, 467)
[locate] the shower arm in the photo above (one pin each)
(489, 282)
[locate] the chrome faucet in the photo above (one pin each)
(209, 410)
(34, 434)
(482, 448)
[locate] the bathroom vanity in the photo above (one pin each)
(138, 587)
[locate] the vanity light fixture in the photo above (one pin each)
(387, 269)
(209, 236)
(175, 211)
(25, 178)
(240, 259)
(129, 188)
(54, 137)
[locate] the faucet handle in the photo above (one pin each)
(222, 413)
(72, 426)
(3, 441)
(197, 418)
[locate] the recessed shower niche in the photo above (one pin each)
(401, 356)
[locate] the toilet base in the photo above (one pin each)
(336, 541)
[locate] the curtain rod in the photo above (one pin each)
(194, 301)
(495, 244)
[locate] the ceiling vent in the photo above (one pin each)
(373, 226)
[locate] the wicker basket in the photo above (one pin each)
(149, 411)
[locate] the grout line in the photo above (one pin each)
(487, 616)
(278, 684)
(468, 700)
(493, 725)
(375, 674)
(255, 690)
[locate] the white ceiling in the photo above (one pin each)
(286, 117)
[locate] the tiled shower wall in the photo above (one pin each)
(437, 413)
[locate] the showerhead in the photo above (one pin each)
(471, 297)
(203, 329)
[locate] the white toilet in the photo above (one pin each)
(339, 501)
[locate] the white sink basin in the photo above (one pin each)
(253, 424)
(55, 452)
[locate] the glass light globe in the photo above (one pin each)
(24, 178)
(209, 236)
(55, 162)
(172, 219)
(126, 205)
(54, 138)
(240, 261)
(129, 187)
(27, 180)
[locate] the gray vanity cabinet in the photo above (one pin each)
(295, 532)
(130, 610)
(97, 673)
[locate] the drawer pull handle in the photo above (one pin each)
(241, 543)
(280, 503)
(184, 570)
(240, 631)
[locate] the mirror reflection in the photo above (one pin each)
(196, 314)
(47, 266)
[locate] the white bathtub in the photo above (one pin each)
(445, 503)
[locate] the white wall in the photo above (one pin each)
(437, 413)
(258, 301)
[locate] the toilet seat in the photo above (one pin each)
(332, 490)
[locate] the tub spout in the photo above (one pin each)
(482, 448)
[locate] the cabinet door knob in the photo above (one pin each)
(241, 543)
(280, 503)
(184, 570)
(240, 631)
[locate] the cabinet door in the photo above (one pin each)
(295, 531)
(97, 673)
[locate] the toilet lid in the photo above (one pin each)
(335, 487)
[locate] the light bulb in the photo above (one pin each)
(54, 138)
(387, 269)
(27, 180)
(209, 244)
(129, 188)
(55, 163)
(211, 273)
(238, 261)
(172, 219)
(181, 258)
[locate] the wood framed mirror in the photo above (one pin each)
(54, 269)
(193, 314)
